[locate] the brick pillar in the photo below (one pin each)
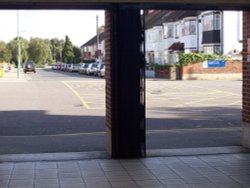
(125, 108)
(246, 80)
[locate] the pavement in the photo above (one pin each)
(225, 168)
(12, 76)
(216, 167)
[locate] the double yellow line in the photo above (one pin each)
(84, 102)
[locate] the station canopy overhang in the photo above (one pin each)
(140, 4)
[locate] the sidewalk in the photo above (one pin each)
(198, 171)
(11, 76)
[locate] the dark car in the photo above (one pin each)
(29, 66)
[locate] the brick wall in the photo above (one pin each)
(108, 77)
(232, 71)
(246, 67)
(197, 68)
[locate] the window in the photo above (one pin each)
(212, 49)
(216, 22)
(189, 28)
(208, 22)
(177, 28)
(211, 22)
(169, 30)
(192, 27)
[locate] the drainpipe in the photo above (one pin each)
(198, 35)
(222, 32)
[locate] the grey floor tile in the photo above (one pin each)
(179, 186)
(22, 177)
(6, 166)
(46, 176)
(21, 182)
(95, 179)
(167, 176)
(48, 186)
(99, 185)
(143, 177)
(70, 180)
(5, 177)
(139, 172)
(46, 181)
(122, 184)
(21, 186)
(93, 174)
(23, 166)
(5, 172)
(69, 175)
(148, 183)
(4, 182)
(243, 180)
(116, 173)
(195, 180)
(46, 165)
(75, 185)
(119, 178)
(173, 182)
(203, 185)
(24, 172)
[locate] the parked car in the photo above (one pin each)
(73, 67)
(63, 67)
(102, 71)
(91, 68)
(98, 69)
(29, 66)
(54, 67)
(82, 69)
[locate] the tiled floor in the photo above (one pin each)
(223, 171)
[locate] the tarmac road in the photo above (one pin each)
(53, 111)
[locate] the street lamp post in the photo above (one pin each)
(19, 47)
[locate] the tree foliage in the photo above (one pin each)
(68, 53)
(12, 47)
(56, 46)
(77, 54)
(5, 55)
(39, 51)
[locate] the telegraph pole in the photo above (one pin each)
(97, 33)
(19, 46)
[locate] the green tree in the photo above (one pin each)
(39, 51)
(77, 54)
(12, 47)
(5, 55)
(68, 54)
(56, 46)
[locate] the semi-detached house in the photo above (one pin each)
(169, 33)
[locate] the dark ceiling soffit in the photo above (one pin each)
(94, 6)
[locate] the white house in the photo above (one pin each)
(90, 50)
(218, 32)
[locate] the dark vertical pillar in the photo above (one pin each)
(125, 108)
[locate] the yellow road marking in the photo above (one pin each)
(84, 103)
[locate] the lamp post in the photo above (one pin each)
(19, 47)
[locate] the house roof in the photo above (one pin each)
(154, 18)
(178, 15)
(94, 40)
(157, 17)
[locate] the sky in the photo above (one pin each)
(79, 25)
